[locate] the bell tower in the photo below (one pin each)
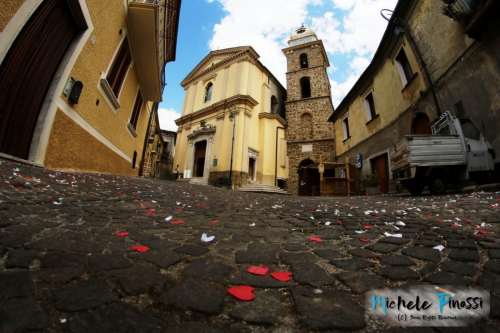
(308, 107)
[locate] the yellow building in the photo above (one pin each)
(232, 129)
(80, 81)
(426, 64)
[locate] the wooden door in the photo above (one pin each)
(27, 71)
(382, 172)
(421, 124)
(251, 163)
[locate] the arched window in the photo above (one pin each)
(305, 87)
(274, 104)
(303, 61)
(208, 92)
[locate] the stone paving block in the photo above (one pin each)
(265, 309)
(116, 317)
(15, 240)
(163, 259)
(21, 314)
(200, 295)
(329, 254)
(490, 281)
(394, 240)
(262, 247)
(383, 247)
(82, 295)
(16, 284)
(458, 267)
(493, 266)
(295, 247)
(462, 244)
(330, 310)
(60, 275)
(396, 260)
(423, 253)
(242, 277)
(428, 268)
(20, 258)
(57, 260)
(399, 273)
(494, 253)
(363, 253)
(445, 278)
(256, 257)
(207, 270)
(49, 244)
(194, 250)
(108, 262)
(360, 282)
(463, 255)
(138, 280)
(310, 273)
(192, 327)
(290, 258)
(428, 242)
(352, 264)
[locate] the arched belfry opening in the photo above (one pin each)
(305, 87)
(274, 104)
(303, 61)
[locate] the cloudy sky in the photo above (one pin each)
(350, 29)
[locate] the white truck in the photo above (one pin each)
(456, 151)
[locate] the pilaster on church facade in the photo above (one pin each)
(308, 107)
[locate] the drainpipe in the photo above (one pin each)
(276, 159)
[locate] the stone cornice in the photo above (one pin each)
(202, 130)
(217, 107)
(273, 116)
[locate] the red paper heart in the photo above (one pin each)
(122, 233)
(316, 239)
(364, 240)
(215, 221)
(441, 221)
(368, 226)
(281, 276)
(244, 293)
(479, 236)
(468, 220)
(140, 248)
(258, 270)
(177, 221)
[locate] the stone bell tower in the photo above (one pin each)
(308, 107)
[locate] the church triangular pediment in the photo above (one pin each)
(215, 59)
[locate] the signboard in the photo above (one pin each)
(215, 162)
(358, 161)
(306, 148)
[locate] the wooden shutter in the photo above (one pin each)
(27, 71)
(137, 109)
(116, 75)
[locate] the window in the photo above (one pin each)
(459, 108)
(370, 107)
(404, 67)
(469, 129)
(305, 87)
(118, 70)
(274, 104)
(136, 110)
(208, 92)
(345, 127)
(303, 61)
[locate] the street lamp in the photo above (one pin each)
(232, 112)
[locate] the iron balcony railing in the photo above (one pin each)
(465, 12)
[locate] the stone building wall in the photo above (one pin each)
(296, 155)
(319, 109)
(314, 57)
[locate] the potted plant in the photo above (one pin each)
(371, 184)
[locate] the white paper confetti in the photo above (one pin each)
(393, 235)
(439, 247)
(168, 218)
(206, 239)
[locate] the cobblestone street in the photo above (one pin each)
(105, 253)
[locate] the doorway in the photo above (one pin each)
(28, 70)
(379, 165)
(421, 124)
(199, 158)
(251, 168)
(308, 178)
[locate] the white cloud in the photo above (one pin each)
(167, 117)
(349, 28)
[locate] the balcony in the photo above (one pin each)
(475, 17)
(152, 30)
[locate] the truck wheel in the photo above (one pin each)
(415, 188)
(438, 182)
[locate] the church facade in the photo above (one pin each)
(231, 130)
